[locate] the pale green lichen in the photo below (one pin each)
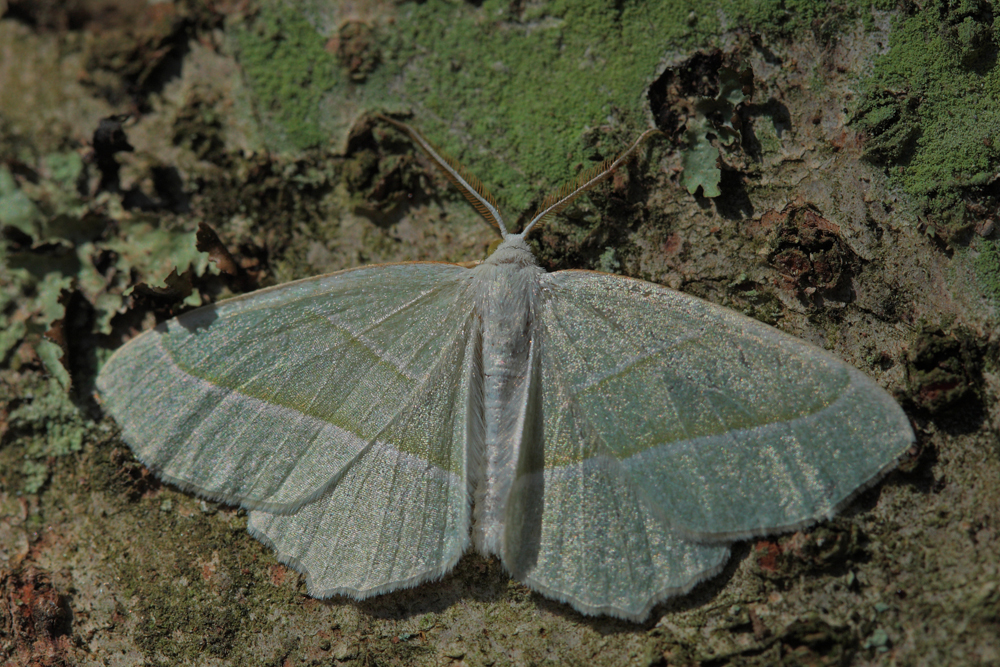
(156, 252)
(607, 262)
(713, 124)
(64, 169)
(16, 208)
(35, 473)
(49, 425)
(57, 251)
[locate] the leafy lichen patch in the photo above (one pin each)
(713, 124)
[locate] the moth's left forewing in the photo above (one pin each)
(729, 427)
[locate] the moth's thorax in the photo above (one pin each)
(507, 288)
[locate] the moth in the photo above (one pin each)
(605, 437)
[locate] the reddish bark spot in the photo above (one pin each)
(767, 554)
(673, 245)
(936, 391)
(34, 618)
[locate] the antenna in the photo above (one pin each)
(557, 201)
(469, 185)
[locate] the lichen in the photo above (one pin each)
(16, 207)
(46, 424)
(713, 121)
(64, 281)
(607, 262)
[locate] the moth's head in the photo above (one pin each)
(513, 250)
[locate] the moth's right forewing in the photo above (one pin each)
(579, 529)
(400, 514)
(729, 427)
(264, 400)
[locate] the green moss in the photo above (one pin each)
(775, 16)
(523, 95)
(290, 72)
(196, 602)
(940, 152)
(987, 266)
(531, 90)
(523, 88)
(786, 18)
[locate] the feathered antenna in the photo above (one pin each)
(557, 201)
(469, 185)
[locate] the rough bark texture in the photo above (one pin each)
(858, 210)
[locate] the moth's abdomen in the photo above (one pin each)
(507, 301)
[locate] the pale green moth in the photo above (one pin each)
(605, 437)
